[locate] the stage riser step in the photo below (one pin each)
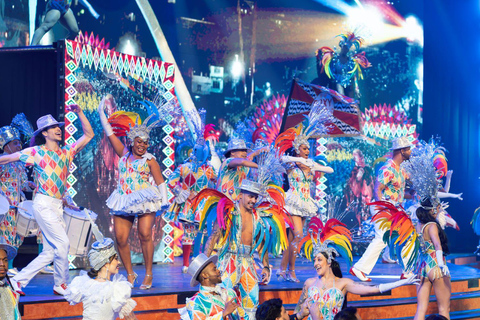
(457, 315)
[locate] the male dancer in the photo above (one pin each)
(50, 163)
(13, 179)
(8, 297)
(389, 186)
(213, 300)
(236, 167)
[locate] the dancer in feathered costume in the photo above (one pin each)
(135, 195)
(301, 173)
(344, 65)
(424, 245)
(389, 186)
(236, 167)
(188, 179)
(327, 242)
(13, 177)
(245, 226)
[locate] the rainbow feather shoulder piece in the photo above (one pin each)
(400, 234)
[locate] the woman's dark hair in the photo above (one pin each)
(425, 216)
(337, 272)
(38, 139)
(436, 317)
(347, 314)
(92, 273)
(269, 310)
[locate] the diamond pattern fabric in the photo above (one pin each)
(393, 177)
(229, 180)
(50, 168)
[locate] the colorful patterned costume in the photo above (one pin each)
(101, 300)
(189, 176)
(298, 200)
(50, 169)
(208, 304)
(229, 180)
(236, 259)
(393, 178)
(13, 178)
(331, 300)
(135, 194)
(8, 302)
(427, 261)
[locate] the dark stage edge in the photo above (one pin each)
(169, 283)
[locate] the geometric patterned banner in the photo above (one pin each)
(90, 74)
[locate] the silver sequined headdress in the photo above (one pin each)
(423, 174)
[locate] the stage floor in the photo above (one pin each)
(168, 279)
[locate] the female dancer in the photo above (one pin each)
(432, 267)
(301, 171)
(329, 289)
(135, 195)
(102, 298)
(59, 10)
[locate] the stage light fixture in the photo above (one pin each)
(237, 68)
(413, 30)
(128, 44)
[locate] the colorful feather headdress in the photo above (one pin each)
(314, 124)
(203, 132)
(423, 174)
(129, 124)
(332, 238)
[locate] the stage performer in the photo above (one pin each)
(327, 242)
(102, 297)
(8, 296)
(389, 186)
(432, 267)
(337, 68)
(134, 196)
(59, 10)
(301, 173)
(13, 177)
(50, 164)
(213, 301)
(236, 167)
(244, 226)
(476, 227)
(188, 179)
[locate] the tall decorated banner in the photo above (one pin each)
(92, 72)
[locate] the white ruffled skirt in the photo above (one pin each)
(136, 203)
(299, 206)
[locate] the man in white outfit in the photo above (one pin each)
(389, 186)
(50, 163)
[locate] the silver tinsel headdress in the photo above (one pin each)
(423, 174)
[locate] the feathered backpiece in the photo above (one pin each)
(400, 234)
(340, 71)
(348, 39)
(422, 172)
(21, 123)
(332, 238)
(121, 122)
(315, 123)
(210, 133)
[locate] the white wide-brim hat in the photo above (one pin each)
(197, 265)
(45, 122)
(400, 143)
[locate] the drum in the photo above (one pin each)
(26, 224)
(4, 206)
(79, 230)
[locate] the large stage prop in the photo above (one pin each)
(91, 73)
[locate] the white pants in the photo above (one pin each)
(48, 213)
(370, 256)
